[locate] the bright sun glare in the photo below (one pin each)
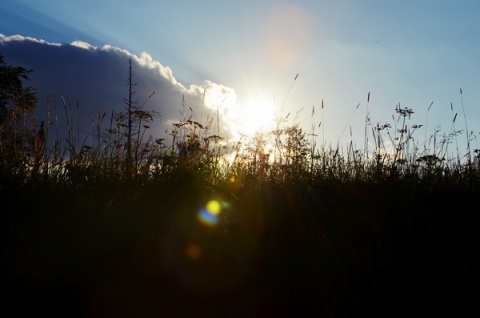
(241, 117)
(255, 115)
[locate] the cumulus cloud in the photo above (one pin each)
(95, 79)
(82, 45)
(222, 100)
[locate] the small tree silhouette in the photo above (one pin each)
(17, 105)
(134, 117)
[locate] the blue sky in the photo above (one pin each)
(407, 52)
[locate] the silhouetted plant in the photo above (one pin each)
(19, 149)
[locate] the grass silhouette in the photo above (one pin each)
(301, 229)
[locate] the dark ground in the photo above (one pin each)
(362, 249)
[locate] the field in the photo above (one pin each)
(272, 225)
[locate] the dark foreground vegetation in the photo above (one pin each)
(115, 228)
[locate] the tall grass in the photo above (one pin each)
(337, 231)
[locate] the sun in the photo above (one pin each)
(240, 116)
(257, 114)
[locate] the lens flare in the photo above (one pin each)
(288, 33)
(207, 218)
(214, 207)
(193, 252)
(210, 214)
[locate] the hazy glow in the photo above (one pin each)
(287, 32)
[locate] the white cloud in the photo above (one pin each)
(20, 38)
(96, 79)
(223, 101)
(83, 45)
(147, 61)
(218, 96)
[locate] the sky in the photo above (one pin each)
(256, 58)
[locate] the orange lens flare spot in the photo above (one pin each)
(193, 252)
